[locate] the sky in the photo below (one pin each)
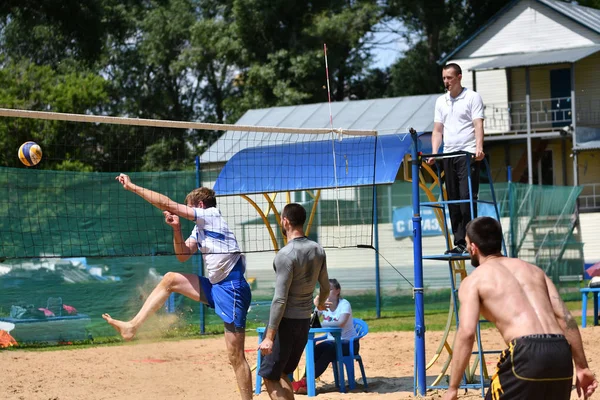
(389, 44)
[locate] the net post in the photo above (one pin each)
(376, 243)
(421, 386)
(199, 256)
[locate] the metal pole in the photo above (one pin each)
(418, 271)
(528, 108)
(512, 218)
(376, 245)
(574, 128)
(199, 256)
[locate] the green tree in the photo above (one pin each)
(587, 3)
(50, 31)
(433, 28)
(284, 43)
(24, 85)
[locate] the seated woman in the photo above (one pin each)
(339, 315)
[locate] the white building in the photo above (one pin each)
(542, 56)
(547, 52)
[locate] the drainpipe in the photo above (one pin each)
(574, 127)
(528, 108)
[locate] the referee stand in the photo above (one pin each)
(456, 264)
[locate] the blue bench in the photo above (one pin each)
(584, 301)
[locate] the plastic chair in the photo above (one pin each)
(55, 305)
(361, 329)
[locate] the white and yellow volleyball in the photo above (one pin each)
(30, 153)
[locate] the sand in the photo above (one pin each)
(198, 369)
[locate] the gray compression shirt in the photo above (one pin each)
(298, 266)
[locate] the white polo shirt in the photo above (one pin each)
(457, 115)
(217, 243)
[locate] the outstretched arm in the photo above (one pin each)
(586, 382)
(158, 200)
(465, 336)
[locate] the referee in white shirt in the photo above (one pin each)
(458, 120)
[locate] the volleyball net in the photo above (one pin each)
(70, 205)
(69, 231)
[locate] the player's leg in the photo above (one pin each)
(272, 365)
(234, 340)
(299, 335)
(173, 282)
(280, 389)
(324, 355)
(231, 300)
(453, 193)
(463, 179)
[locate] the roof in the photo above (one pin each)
(538, 58)
(386, 116)
(586, 16)
(359, 161)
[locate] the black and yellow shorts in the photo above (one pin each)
(534, 367)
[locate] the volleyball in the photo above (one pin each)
(30, 153)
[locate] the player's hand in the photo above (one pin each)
(586, 383)
(171, 219)
(451, 394)
(479, 155)
(124, 180)
(430, 160)
(266, 347)
(325, 306)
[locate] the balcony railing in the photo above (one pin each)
(546, 114)
(589, 199)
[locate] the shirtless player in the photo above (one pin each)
(542, 337)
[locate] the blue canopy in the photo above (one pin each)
(359, 161)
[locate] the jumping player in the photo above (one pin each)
(225, 289)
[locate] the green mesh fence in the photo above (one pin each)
(71, 236)
(80, 237)
(78, 214)
(541, 226)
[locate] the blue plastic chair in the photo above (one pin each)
(361, 329)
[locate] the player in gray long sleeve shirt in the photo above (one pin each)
(298, 267)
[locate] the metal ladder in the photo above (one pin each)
(453, 258)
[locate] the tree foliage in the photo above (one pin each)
(203, 60)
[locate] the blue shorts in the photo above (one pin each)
(231, 297)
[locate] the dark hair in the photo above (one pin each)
(453, 66)
(295, 213)
(201, 194)
(486, 233)
(333, 283)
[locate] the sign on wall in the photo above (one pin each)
(402, 220)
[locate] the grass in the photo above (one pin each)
(397, 315)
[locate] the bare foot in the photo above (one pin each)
(125, 329)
